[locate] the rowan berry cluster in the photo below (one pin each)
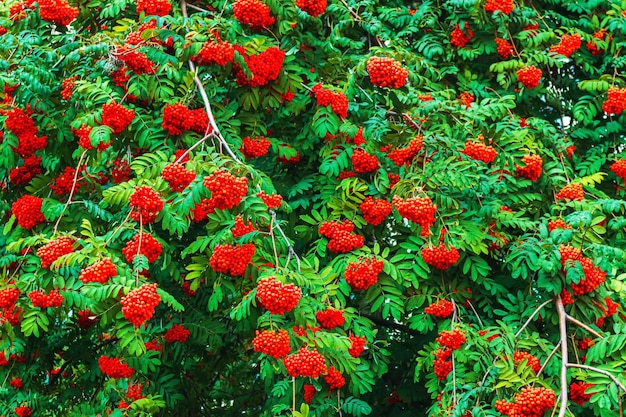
(64, 183)
(572, 191)
(593, 276)
(133, 392)
(403, 156)
(114, 368)
(467, 99)
(342, 240)
(375, 210)
(363, 162)
(154, 7)
(52, 251)
(386, 72)
(442, 365)
(57, 11)
(461, 37)
(226, 190)
(529, 76)
(557, 224)
(20, 123)
(608, 310)
(68, 87)
(577, 392)
(274, 344)
(363, 274)
(505, 6)
(334, 379)
(276, 297)
(253, 13)
(100, 272)
(86, 319)
(420, 210)
(233, 260)
(530, 402)
(177, 333)
(309, 393)
(505, 48)
(82, 133)
(357, 345)
(619, 168)
(52, 299)
(480, 151)
(593, 47)
(120, 171)
(272, 201)
(22, 175)
(136, 61)
(178, 119)
(120, 77)
(142, 244)
(177, 177)
(255, 147)
(532, 169)
(241, 228)
(138, 306)
(442, 308)
(305, 363)
(531, 361)
(616, 101)
(145, 204)
(568, 45)
(117, 117)
(23, 411)
(16, 383)
(337, 101)
(330, 318)
(312, 7)
(215, 53)
(8, 298)
(304, 332)
(440, 257)
(452, 339)
(264, 66)
(27, 211)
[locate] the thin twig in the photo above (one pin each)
(293, 394)
(584, 326)
(564, 359)
(292, 252)
(69, 199)
(549, 357)
(116, 230)
(195, 145)
(600, 371)
(475, 312)
(272, 221)
(537, 310)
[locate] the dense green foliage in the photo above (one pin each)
(459, 132)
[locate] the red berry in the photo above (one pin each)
(363, 274)
(253, 13)
(54, 250)
(334, 379)
(233, 260)
(177, 333)
(330, 318)
(505, 6)
(117, 117)
(114, 368)
(154, 7)
(386, 72)
(312, 7)
(138, 306)
(357, 345)
(375, 210)
(274, 344)
(441, 309)
(177, 176)
(305, 362)
(440, 257)
(572, 191)
(100, 272)
(142, 244)
(532, 169)
(529, 76)
(276, 297)
(27, 211)
(420, 210)
(460, 37)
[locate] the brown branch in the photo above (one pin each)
(537, 310)
(69, 199)
(548, 359)
(564, 360)
(600, 371)
(584, 326)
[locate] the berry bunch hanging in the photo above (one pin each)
(136, 61)
(274, 344)
(312, 7)
(441, 309)
(276, 297)
(86, 319)
(264, 66)
(142, 244)
(531, 361)
(334, 379)
(557, 224)
(619, 169)
(505, 6)
(271, 201)
(23, 174)
(529, 76)
(440, 257)
(452, 339)
(177, 119)
(154, 7)
(572, 191)
(480, 151)
(357, 345)
(309, 393)
(461, 37)
(363, 274)
(420, 210)
(363, 162)
(138, 306)
(226, 190)
(114, 368)
(593, 276)
(215, 53)
(120, 172)
(145, 204)
(117, 117)
(52, 299)
(67, 87)
(177, 333)
(342, 240)
(27, 211)
(504, 48)
(255, 147)
(568, 45)
(337, 101)
(330, 318)
(442, 365)
(64, 183)
(577, 392)
(615, 102)
(233, 260)
(386, 72)
(101, 272)
(530, 402)
(23, 411)
(241, 228)
(375, 210)
(404, 156)
(177, 177)
(52, 251)
(8, 298)
(253, 13)
(532, 169)
(308, 363)
(592, 46)
(57, 11)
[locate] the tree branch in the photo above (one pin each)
(584, 326)
(564, 360)
(600, 371)
(537, 310)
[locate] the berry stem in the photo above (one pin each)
(556, 348)
(116, 230)
(545, 303)
(564, 358)
(69, 199)
(274, 239)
